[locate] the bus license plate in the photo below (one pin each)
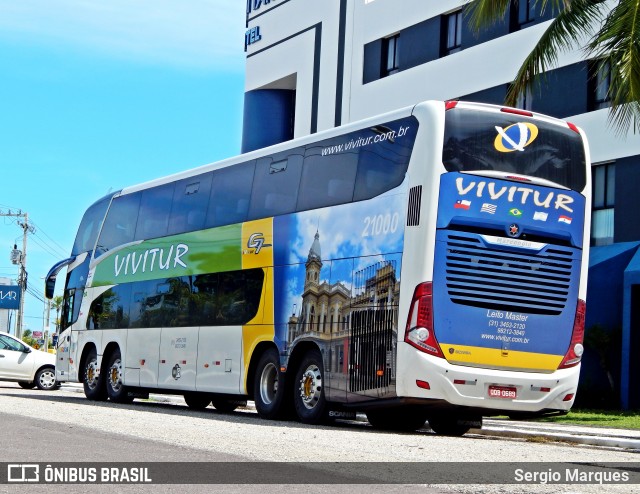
(504, 392)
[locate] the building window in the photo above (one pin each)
(390, 55)
(526, 13)
(525, 100)
(604, 187)
(453, 33)
(601, 84)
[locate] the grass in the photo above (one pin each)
(600, 418)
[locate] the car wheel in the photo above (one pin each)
(46, 379)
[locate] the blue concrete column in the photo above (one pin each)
(269, 116)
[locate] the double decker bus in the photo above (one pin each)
(428, 264)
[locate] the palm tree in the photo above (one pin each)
(615, 41)
(56, 305)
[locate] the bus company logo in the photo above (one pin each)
(175, 372)
(513, 230)
(515, 137)
(256, 242)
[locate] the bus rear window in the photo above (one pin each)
(489, 141)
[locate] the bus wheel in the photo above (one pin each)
(308, 398)
(227, 406)
(453, 426)
(117, 391)
(268, 389)
(197, 401)
(92, 379)
(405, 419)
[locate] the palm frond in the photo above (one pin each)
(482, 13)
(618, 42)
(564, 32)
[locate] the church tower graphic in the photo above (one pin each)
(353, 321)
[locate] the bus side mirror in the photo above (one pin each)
(50, 280)
(50, 286)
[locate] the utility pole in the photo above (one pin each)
(20, 258)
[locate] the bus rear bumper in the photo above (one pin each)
(424, 376)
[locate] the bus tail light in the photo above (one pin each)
(573, 127)
(450, 105)
(576, 349)
(516, 111)
(419, 332)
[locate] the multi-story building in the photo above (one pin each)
(315, 65)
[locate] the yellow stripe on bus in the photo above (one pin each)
(500, 359)
(257, 252)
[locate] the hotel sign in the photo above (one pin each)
(9, 297)
(253, 5)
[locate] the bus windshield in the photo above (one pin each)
(541, 150)
(90, 226)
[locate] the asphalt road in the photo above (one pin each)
(62, 426)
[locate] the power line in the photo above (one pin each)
(56, 244)
(47, 248)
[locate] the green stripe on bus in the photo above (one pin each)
(205, 251)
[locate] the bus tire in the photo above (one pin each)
(453, 426)
(406, 419)
(92, 379)
(197, 401)
(269, 389)
(227, 406)
(116, 390)
(308, 395)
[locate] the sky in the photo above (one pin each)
(97, 95)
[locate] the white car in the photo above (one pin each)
(25, 365)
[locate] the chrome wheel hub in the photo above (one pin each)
(92, 373)
(311, 386)
(115, 375)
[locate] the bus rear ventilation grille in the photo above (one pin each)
(413, 212)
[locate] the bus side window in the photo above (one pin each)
(111, 309)
(230, 195)
(190, 203)
(326, 180)
(276, 184)
(120, 225)
(378, 173)
(155, 205)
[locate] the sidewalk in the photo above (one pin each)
(595, 436)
